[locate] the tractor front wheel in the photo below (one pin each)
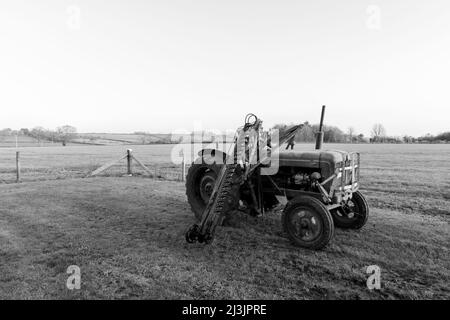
(307, 223)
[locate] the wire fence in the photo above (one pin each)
(27, 167)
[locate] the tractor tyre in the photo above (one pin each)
(200, 181)
(307, 223)
(353, 215)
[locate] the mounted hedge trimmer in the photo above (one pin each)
(319, 187)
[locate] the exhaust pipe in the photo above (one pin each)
(319, 138)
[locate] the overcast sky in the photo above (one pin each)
(159, 66)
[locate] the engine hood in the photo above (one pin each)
(311, 159)
(320, 159)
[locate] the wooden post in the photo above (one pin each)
(129, 157)
(183, 169)
(18, 166)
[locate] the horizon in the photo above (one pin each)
(228, 131)
(161, 67)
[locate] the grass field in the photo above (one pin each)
(126, 233)
(106, 139)
(48, 163)
(120, 138)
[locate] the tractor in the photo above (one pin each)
(319, 189)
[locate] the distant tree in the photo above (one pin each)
(38, 133)
(427, 138)
(52, 135)
(440, 138)
(351, 133)
(6, 132)
(24, 131)
(445, 136)
(360, 138)
(306, 133)
(331, 134)
(408, 139)
(66, 134)
(378, 133)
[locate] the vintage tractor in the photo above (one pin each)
(320, 189)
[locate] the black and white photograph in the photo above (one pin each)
(224, 156)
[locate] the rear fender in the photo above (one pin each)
(211, 156)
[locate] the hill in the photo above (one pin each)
(122, 138)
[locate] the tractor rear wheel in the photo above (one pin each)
(353, 214)
(307, 223)
(200, 182)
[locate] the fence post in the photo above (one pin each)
(18, 166)
(129, 157)
(183, 169)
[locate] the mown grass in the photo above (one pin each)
(126, 234)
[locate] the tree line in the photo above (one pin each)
(63, 134)
(378, 134)
(440, 138)
(332, 134)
